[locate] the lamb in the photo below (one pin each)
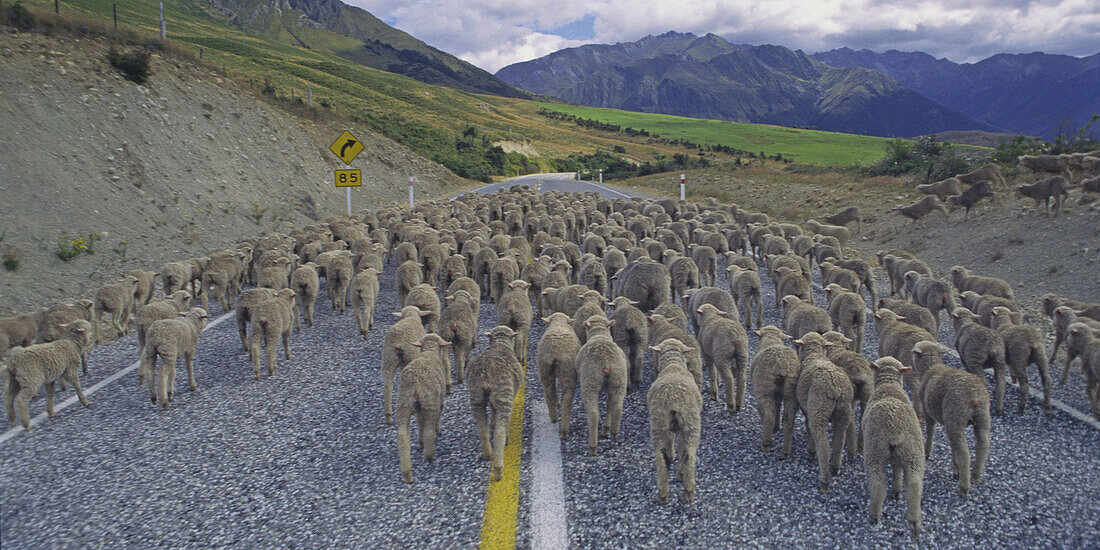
(222, 277)
(175, 276)
(858, 369)
(167, 339)
(745, 289)
(980, 348)
(739, 260)
(116, 298)
(467, 284)
(825, 397)
(514, 312)
(19, 330)
(566, 299)
(494, 379)
(1063, 317)
(674, 314)
(601, 366)
(845, 217)
(453, 268)
(918, 210)
(725, 348)
(1045, 164)
(275, 275)
(802, 317)
(557, 353)
(791, 283)
(896, 267)
(1045, 191)
(892, 436)
(933, 294)
(841, 233)
(271, 320)
(896, 338)
(593, 275)
(983, 306)
(398, 350)
(242, 310)
(503, 271)
(715, 296)
(338, 275)
(458, 325)
(177, 302)
(147, 282)
(647, 283)
(363, 292)
(420, 391)
(432, 257)
(629, 332)
(845, 278)
(32, 367)
(963, 280)
(683, 271)
(956, 399)
(593, 305)
(774, 370)
(1081, 342)
(1023, 347)
(911, 313)
(941, 189)
(613, 261)
(987, 172)
(408, 275)
(406, 252)
(59, 314)
(847, 314)
(305, 283)
(967, 199)
(675, 410)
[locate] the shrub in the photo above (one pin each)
(18, 16)
(133, 64)
(69, 247)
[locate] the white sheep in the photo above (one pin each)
(42, 364)
(675, 410)
(167, 339)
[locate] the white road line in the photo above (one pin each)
(548, 525)
(96, 387)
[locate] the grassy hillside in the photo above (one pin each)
(804, 146)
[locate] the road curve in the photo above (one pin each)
(561, 181)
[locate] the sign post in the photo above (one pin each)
(412, 180)
(682, 185)
(347, 147)
(601, 175)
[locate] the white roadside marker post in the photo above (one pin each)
(412, 180)
(163, 30)
(601, 176)
(683, 177)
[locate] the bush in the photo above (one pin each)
(925, 157)
(19, 17)
(133, 64)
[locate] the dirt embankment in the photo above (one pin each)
(182, 166)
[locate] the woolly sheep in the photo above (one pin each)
(467, 284)
(398, 350)
(629, 331)
(63, 313)
(791, 283)
(706, 259)
(683, 271)
(32, 367)
(725, 349)
(305, 283)
(19, 330)
(167, 339)
(1063, 317)
(774, 370)
(1084, 309)
(739, 260)
(981, 348)
(941, 189)
(271, 320)
(1044, 191)
(896, 338)
(963, 280)
(746, 292)
(1023, 347)
(931, 293)
(858, 369)
(593, 304)
(956, 399)
(222, 277)
(481, 263)
(503, 271)
(846, 278)
(424, 298)
(896, 267)
(175, 276)
(866, 273)
(147, 282)
(967, 199)
(825, 397)
(175, 303)
(647, 283)
(802, 317)
(514, 312)
(556, 356)
(1084, 344)
(841, 233)
(338, 275)
(116, 298)
(911, 313)
(420, 391)
(847, 314)
(363, 293)
(892, 437)
(1045, 164)
(275, 276)
(408, 275)
(593, 275)
(918, 210)
(982, 306)
(458, 325)
(601, 366)
(675, 410)
(695, 298)
(845, 217)
(494, 378)
(242, 310)
(987, 172)
(566, 299)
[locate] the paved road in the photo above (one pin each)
(303, 459)
(564, 182)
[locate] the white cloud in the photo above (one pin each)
(494, 33)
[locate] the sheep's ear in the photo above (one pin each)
(798, 342)
(685, 350)
(828, 344)
(655, 348)
(545, 320)
(649, 320)
(425, 313)
(944, 349)
(786, 336)
(846, 340)
(488, 334)
(545, 292)
(445, 345)
(611, 323)
(449, 298)
(587, 325)
(874, 365)
(397, 314)
(80, 329)
(757, 332)
(904, 369)
(699, 310)
(416, 344)
(182, 314)
(632, 302)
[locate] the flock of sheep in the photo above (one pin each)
(612, 280)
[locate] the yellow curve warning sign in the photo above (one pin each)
(347, 147)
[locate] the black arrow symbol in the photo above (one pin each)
(344, 148)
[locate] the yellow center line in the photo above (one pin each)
(498, 528)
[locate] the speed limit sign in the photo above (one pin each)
(349, 178)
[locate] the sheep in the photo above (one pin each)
(175, 276)
(420, 391)
(746, 292)
(270, 320)
(63, 313)
(116, 298)
(1081, 342)
(675, 410)
(858, 369)
(432, 257)
(567, 299)
(398, 350)
(592, 304)
(458, 325)
(892, 436)
(222, 277)
(1045, 164)
(19, 330)
(983, 306)
(1062, 318)
(956, 399)
(896, 338)
(503, 271)
(613, 261)
(338, 275)
(167, 339)
(792, 283)
(721, 299)
(408, 275)
(913, 314)
(514, 312)
(167, 308)
(980, 348)
(847, 314)
(305, 283)
(482, 262)
(1090, 185)
(601, 366)
(841, 233)
(987, 172)
(775, 245)
(790, 261)
(825, 397)
(593, 275)
(243, 306)
(453, 268)
(845, 217)
(706, 259)
(1045, 191)
(941, 189)
(556, 356)
(647, 283)
(31, 367)
(363, 293)
(774, 371)
(494, 378)
(725, 349)
(1084, 309)
(963, 280)
(629, 331)
(275, 276)
(896, 267)
(739, 260)
(801, 317)
(467, 284)
(425, 299)
(845, 278)
(683, 271)
(1023, 347)
(406, 252)
(147, 282)
(933, 294)
(918, 210)
(967, 199)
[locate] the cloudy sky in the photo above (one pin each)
(495, 33)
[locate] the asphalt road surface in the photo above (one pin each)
(303, 459)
